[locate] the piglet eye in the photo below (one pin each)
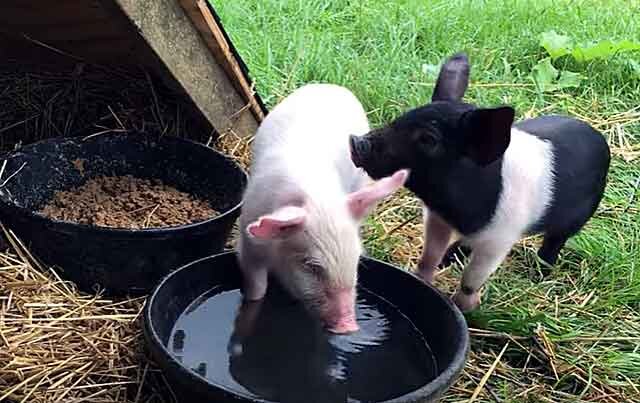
(313, 267)
(316, 269)
(428, 140)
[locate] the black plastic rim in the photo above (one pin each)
(121, 261)
(144, 232)
(429, 391)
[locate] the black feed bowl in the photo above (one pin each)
(121, 261)
(433, 314)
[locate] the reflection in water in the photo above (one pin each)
(274, 350)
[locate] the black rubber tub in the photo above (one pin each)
(193, 375)
(121, 261)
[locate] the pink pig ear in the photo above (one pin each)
(280, 223)
(362, 201)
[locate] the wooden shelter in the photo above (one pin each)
(47, 49)
(180, 42)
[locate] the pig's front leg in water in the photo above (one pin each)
(254, 271)
(244, 325)
(305, 201)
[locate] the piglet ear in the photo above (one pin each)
(362, 201)
(282, 222)
(487, 133)
(453, 79)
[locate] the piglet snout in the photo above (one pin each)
(345, 327)
(359, 148)
(340, 312)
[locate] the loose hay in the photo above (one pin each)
(235, 147)
(59, 345)
(45, 101)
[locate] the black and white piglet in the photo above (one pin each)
(487, 179)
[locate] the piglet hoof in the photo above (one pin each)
(234, 347)
(467, 301)
(546, 268)
(344, 328)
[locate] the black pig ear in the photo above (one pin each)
(453, 79)
(487, 133)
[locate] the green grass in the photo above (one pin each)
(581, 323)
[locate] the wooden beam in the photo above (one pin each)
(174, 38)
(211, 32)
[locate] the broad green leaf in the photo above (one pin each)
(603, 50)
(627, 46)
(548, 78)
(560, 45)
(544, 74)
(555, 44)
(568, 79)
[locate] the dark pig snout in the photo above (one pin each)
(360, 147)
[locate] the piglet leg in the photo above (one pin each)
(255, 283)
(437, 237)
(243, 326)
(485, 259)
(551, 247)
(254, 271)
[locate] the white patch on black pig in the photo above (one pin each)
(486, 182)
(516, 211)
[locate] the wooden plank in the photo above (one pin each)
(211, 31)
(156, 34)
(237, 56)
(168, 31)
(230, 59)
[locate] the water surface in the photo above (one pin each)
(288, 357)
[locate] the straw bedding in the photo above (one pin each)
(44, 101)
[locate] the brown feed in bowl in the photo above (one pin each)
(127, 202)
